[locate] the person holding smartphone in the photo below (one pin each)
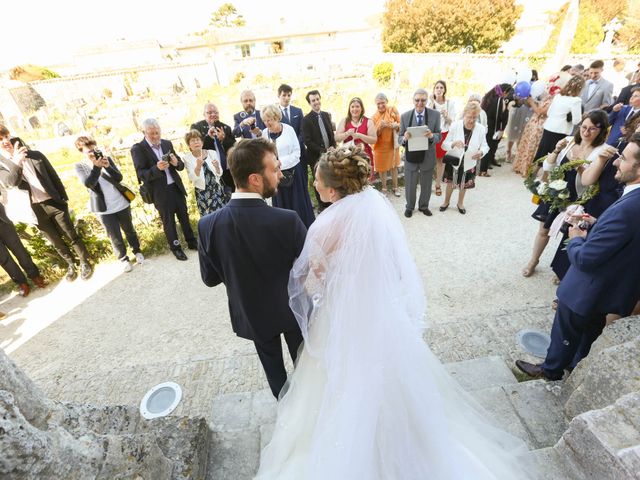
(31, 170)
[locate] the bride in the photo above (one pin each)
(368, 399)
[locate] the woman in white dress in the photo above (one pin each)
(368, 399)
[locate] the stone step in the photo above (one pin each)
(481, 373)
(530, 410)
(550, 464)
(606, 442)
(477, 337)
(242, 424)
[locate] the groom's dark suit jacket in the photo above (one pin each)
(250, 247)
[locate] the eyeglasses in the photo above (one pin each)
(420, 100)
(584, 128)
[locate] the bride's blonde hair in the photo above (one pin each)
(345, 169)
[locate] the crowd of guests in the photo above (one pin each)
(575, 116)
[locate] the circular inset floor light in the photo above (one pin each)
(161, 400)
(534, 342)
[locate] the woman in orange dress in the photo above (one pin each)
(386, 149)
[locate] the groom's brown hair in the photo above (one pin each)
(247, 158)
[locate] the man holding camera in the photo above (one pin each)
(31, 171)
(157, 166)
(247, 123)
(217, 136)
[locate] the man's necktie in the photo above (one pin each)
(285, 112)
(419, 119)
(323, 132)
(221, 154)
(631, 113)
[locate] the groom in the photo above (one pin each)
(250, 247)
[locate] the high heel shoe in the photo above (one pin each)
(443, 207)
(462, 210)
(529, 269)
(396, 192)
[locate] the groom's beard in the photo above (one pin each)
(267, 190)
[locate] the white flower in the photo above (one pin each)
(542, 188)
(558, 185)
(563, 195)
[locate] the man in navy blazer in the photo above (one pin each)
(292, 115)
(157, 166)
(621, 114)
(247, 123)
(604, 276)
(250, 247)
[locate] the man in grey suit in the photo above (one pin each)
(597, 92)
(419, 165)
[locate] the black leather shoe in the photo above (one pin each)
(462, 210)
(86, 270)
(427, 212)
(443, 208)
(408, 213)
(179, 254)
(193, 246)
(496, 164)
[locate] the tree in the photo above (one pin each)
(608, 9)
(590, 31)
(227, 16)
(629, 34)
(436, 26)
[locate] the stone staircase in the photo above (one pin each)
(587, 427)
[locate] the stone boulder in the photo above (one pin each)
(43, 439)
(611, 370)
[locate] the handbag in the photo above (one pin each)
(146, 193)
(126, 192)
(287, 177)
(451, 160)
(18, 206)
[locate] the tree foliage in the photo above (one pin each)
(590, 31)
(227, 16)
(609, 9)
(629, 34)
(382, 72)
(436, 26)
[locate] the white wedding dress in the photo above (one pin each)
(368, 400)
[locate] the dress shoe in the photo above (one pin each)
(495, 164)
(443, 207)
(427, 212)
(193, 246)
(23, 289)
(533, 370)
(179, 254)
(462, 210)
(408, 213)
(71, 273)
(86, 270)
(39, 281)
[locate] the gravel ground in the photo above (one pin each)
(110, 339)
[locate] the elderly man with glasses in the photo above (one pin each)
(419, 164)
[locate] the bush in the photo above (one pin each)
(382, 72)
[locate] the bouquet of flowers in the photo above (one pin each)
(555, 192)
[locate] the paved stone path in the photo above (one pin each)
(109, 340)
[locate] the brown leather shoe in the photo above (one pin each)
(23, 289)
(530, 369)
(39, 281)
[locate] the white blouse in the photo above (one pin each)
(212, 161)
(557, 114)
(477, 142)
(449, 107)
(288, 146)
